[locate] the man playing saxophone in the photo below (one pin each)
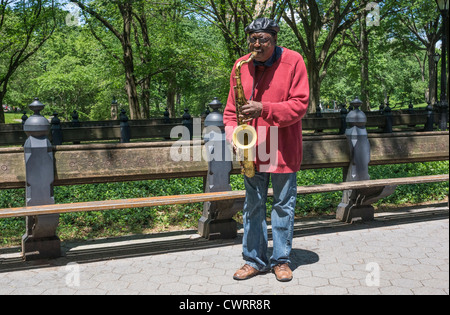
(275, 85)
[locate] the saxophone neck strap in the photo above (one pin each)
(256, 82)
(268, 63)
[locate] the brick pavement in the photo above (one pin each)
(405, 251)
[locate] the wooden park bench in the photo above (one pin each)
(38, 166)
(207, 197)
(101, 163)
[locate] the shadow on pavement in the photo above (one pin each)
(168, 242)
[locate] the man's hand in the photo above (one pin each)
(251, 111)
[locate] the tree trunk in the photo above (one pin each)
(171, 93)
(432, 90)
(143, 49)
(145, 109)
(364, 58)
(2, 113)
(128, 62)
(3, 91)
(126, 11)
(314, 87)
(130, 87)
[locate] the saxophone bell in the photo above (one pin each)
(244, 138)
(244, 135)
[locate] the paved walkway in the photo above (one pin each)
(405, 251)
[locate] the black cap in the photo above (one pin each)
(264, 25)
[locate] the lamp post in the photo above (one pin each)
(436, 58)
(443, 7)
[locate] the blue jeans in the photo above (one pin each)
(254, 217)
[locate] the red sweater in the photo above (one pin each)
(284, 92)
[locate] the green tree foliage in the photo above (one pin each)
(398, 63)
(232, 16)
(24, 27)
(179, 53)
(415, 30)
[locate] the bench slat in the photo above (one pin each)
(204, 197)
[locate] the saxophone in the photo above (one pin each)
(244, 135)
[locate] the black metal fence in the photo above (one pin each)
(384, 120)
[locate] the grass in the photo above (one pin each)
(95, 224)
(16, 118)
(13, 118)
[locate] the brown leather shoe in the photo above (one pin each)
(283, 272)
(246, 272)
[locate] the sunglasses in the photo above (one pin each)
(261, 40)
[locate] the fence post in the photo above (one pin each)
(56, 130)
(356, 204)
(411, 111)
(410, 108)
(187, 121)
(75, 123)
(216, 221)
(40, 240)
(429, 125)
(381, 108)
(24, 117)
(124, 127)
(166, 116)
(318, 111)
(388, 119)
(344, 113)
(444, 114)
